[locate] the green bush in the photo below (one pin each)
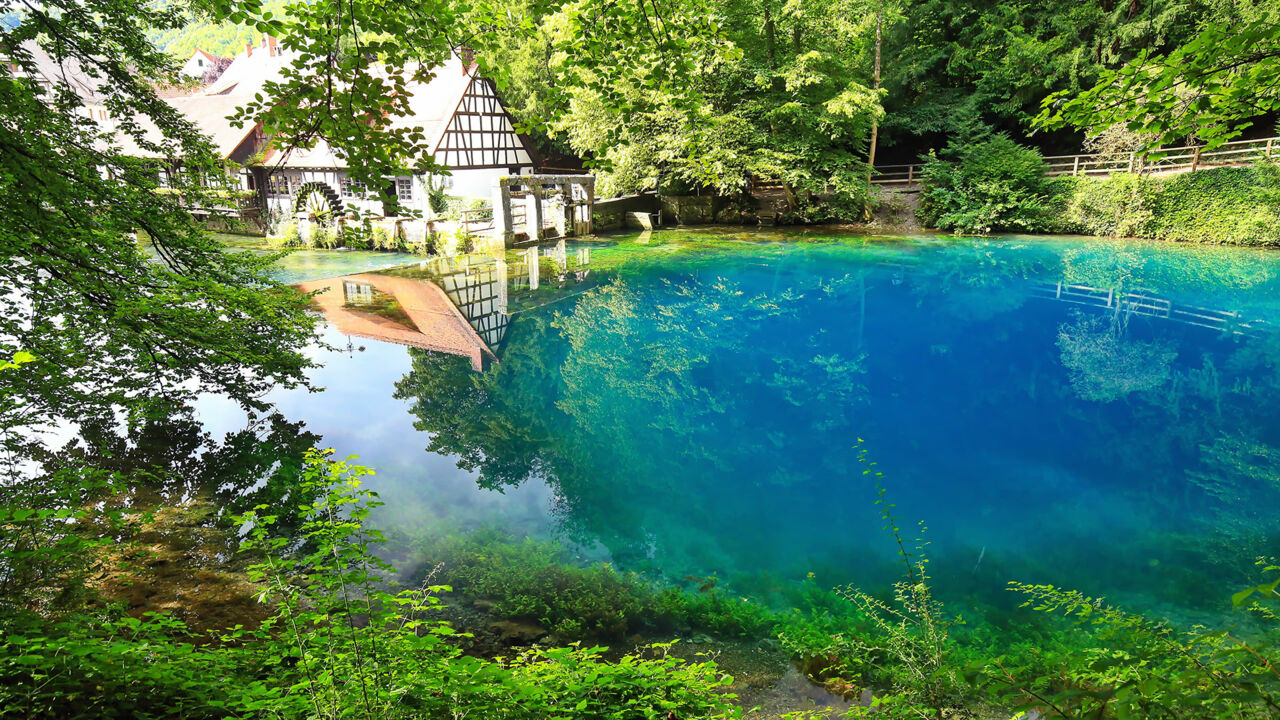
(289, 236)
(380, 239)
(1238, 206)
(1233, 205)
(338, 646)
(991, 186)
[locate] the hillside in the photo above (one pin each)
(222, 39)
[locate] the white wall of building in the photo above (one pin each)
(476, 183)
(196, 65)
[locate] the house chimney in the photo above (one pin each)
(468, 58)
(248, 49)
(273, 48)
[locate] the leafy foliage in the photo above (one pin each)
(539, 582)
(1235, 205)
(117, 286)
(987, 187)
(1143, 668)
(340, 644)
(1213, 87)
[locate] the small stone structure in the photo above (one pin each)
(566, 201)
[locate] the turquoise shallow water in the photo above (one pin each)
(1090, 413)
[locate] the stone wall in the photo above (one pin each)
(615, 213)
(705, 210)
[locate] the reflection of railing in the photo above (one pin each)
(1138, 303)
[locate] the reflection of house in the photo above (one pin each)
(479, 291)
(468, 130)
(409, 311)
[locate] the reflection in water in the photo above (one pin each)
(461, 313)
(459, 305)
(1095, 414)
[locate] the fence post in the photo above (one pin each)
(1075, 166)
(910, 173)
(1131, 157)
(1269, 141)
(1195, 160)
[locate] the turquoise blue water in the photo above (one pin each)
(1090, 413)
(302, 265)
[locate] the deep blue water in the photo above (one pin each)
(1089, 413)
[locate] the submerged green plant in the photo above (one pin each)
(1135, 666)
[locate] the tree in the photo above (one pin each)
(108, 279)
(1212, 88)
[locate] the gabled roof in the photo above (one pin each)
(249, 72)
(209, 114)
(431, 106)
(67, 72)
(205, 55)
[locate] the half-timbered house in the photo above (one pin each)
(469, 129)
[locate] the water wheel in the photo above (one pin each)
(316, 206)
(318, 203)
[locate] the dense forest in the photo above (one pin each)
(949, 69)
(722, 93)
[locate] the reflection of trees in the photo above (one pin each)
(1122, 266)
(1240, 478)
(179, 553)
(171, 460)
(629, 394)
(1105, 364)
(980, 280)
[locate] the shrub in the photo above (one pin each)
(1117, 205)
(380, 239)
(451, 243)
(1230, 205)
(338, 646)
(326, 236)
(289, 236)
(991, 186)
(1234, 205)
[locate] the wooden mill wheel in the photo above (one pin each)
(316, 206)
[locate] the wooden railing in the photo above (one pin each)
(477, 221)
(1175, 159)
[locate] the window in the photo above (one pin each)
(404, 188)
(351, 189)
(278, 185)
(200, 63)
(357, 293)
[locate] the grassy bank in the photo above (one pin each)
(999, 186)
(1225, 206)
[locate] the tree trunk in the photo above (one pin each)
(875, 124)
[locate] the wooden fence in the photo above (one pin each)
(1175, 159)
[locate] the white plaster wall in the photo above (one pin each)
(476, 183)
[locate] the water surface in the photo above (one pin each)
(1091, 413)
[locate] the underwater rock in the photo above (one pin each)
(518, 633)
